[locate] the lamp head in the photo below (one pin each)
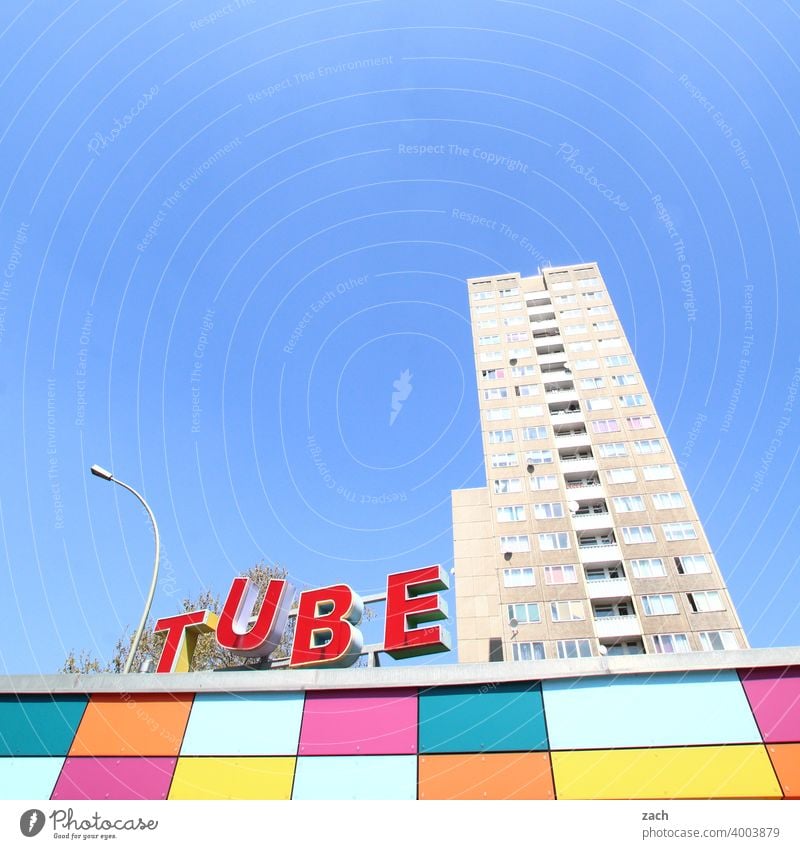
(100, 472)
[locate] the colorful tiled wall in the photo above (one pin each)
(675, 735)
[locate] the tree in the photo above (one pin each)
(207, 655)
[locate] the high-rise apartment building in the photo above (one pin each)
(585, 539)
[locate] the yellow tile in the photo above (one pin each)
(704, 772)
(233, 778)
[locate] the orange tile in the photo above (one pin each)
(140, 724)
(785, 758)
(519, 775)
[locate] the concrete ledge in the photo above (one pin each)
(397, 676)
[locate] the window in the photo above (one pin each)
(524, 613)
(667, 500)
(648, 567)
(609, 324)
(648, 446)
(496, 436)
(580, 346)
(592, 383)
(603, 310)
(569, 313)
(539, 432)
(659, 605)
(539, 456)
(565, 299)
(501, 461)
(609, 342)
(605, 425)
(559, 287)
(671, 643)
(518, 336)
(574, 329)
(495, 394)
(522, 577)
(620, 475)
(520, 353)
(498, 414)
(527, 389)
(549, 510)
(703, 602)
(530, 410)
(491, 356)
(527, 651)
(658, 473)
(584, 364)
(574, 648)
(493, 373)
(560, 575)
(544, 482)
(489, 340)
(523, 371)
(677, 531)
(593, 296)
(482, 310)
(692, 564)
(520, 542)
(511, 305)
(599, 404)
(640, 422)
(503, 486)
(628, 503)
(638, 534)
(487, 323)
(553, 542)
(718, 640)
(632, 400)
(508, 293)
(483, 296)
(588, 282)
(612, 449)
(513, 321)
(617, 360)
(566, 611)
(511, 513)
(624, 379)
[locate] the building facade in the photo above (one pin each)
(585, 540)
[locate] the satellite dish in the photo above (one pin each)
(567, 368)
(513, 361)
(507, 555)
(573, 506)
(530, 468)
(603, 651)
(513, 623)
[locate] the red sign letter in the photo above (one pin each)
(325, 634)
(182, 633)
(408, 604)
(234, 631)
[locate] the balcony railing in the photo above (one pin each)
(609, 588)
(618, 626)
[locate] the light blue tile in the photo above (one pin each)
(28, 778)
(673, 709)
(244, 724)
(356, 777)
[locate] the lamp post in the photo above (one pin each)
(100, 472)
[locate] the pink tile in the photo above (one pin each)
(774, 696)
(115, 778)
(370, 722)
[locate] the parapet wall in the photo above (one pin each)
(721, 725)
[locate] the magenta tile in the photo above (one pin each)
(115, 778)
(774, 696)
(368, 722)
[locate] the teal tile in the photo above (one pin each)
(482, 718)
(28, 778)
(40, 724)
(356, 777)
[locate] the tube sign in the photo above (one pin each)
(326, 632)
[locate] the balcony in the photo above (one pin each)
(572, 440)
(556, 376)
(599, 553)
(618, 626)
(592, 521)
(561, 395)
(609, 588)
(541, 309)
(543, 324)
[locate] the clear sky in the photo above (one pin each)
(227, 229)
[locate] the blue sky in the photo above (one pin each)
(228, 229)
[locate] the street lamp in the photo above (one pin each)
(100, 472)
